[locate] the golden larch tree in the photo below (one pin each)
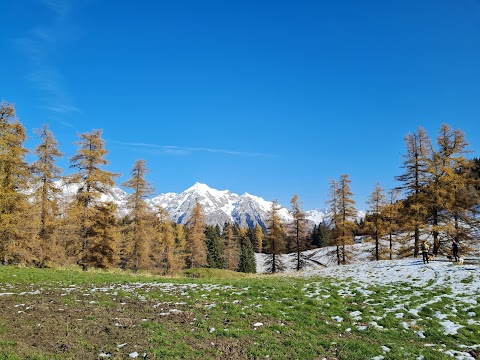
(46, 197)
(92, 182)
(275, 239)
(196, 248)
(138, 224)
(15, 235)
(298, 229)
(231, 248)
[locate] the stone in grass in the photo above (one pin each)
(257, 324)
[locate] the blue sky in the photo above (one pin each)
(267, 97)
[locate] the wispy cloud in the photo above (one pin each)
(180, 150)
(38, 45)
(60, 7)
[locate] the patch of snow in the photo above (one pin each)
(450, 327)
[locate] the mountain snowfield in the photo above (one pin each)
(219, 206)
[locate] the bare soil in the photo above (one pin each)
(44, 325)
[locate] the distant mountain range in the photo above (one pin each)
(222, 206)
(219, 206)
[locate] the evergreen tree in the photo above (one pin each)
(414, 181)
(275, 239)
(321, 235)
(325, 233)
(214, 246)
(247, 262)
(139, 226)
(15, 236)
(314, 236)
(196, 249)
(46, 192)
(298, 228)
(92, 182)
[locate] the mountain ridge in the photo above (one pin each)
(219, 206)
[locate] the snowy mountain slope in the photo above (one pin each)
(116, 195)
(219, 206)
(222, 206)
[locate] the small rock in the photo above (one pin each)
(133, 355)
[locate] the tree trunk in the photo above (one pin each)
(417, 241)
(436, 239)
(390, 246)
(298, 249)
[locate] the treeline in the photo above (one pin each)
(438, 198)
(41, 227)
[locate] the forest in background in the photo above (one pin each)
(438, 198)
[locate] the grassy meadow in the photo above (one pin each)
(205, 314)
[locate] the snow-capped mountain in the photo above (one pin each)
(116, 195)
(219, 206)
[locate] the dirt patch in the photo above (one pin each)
(45, 325)
(87, 326)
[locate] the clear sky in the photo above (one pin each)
(271, 98)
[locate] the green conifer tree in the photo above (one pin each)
(247, 262)
(214, 246)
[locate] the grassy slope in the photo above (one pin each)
(69, 314)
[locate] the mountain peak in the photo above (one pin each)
(200, 187)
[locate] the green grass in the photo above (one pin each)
(215, 313)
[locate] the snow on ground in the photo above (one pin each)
(317, 258)
(413, 288)
(409, 291)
